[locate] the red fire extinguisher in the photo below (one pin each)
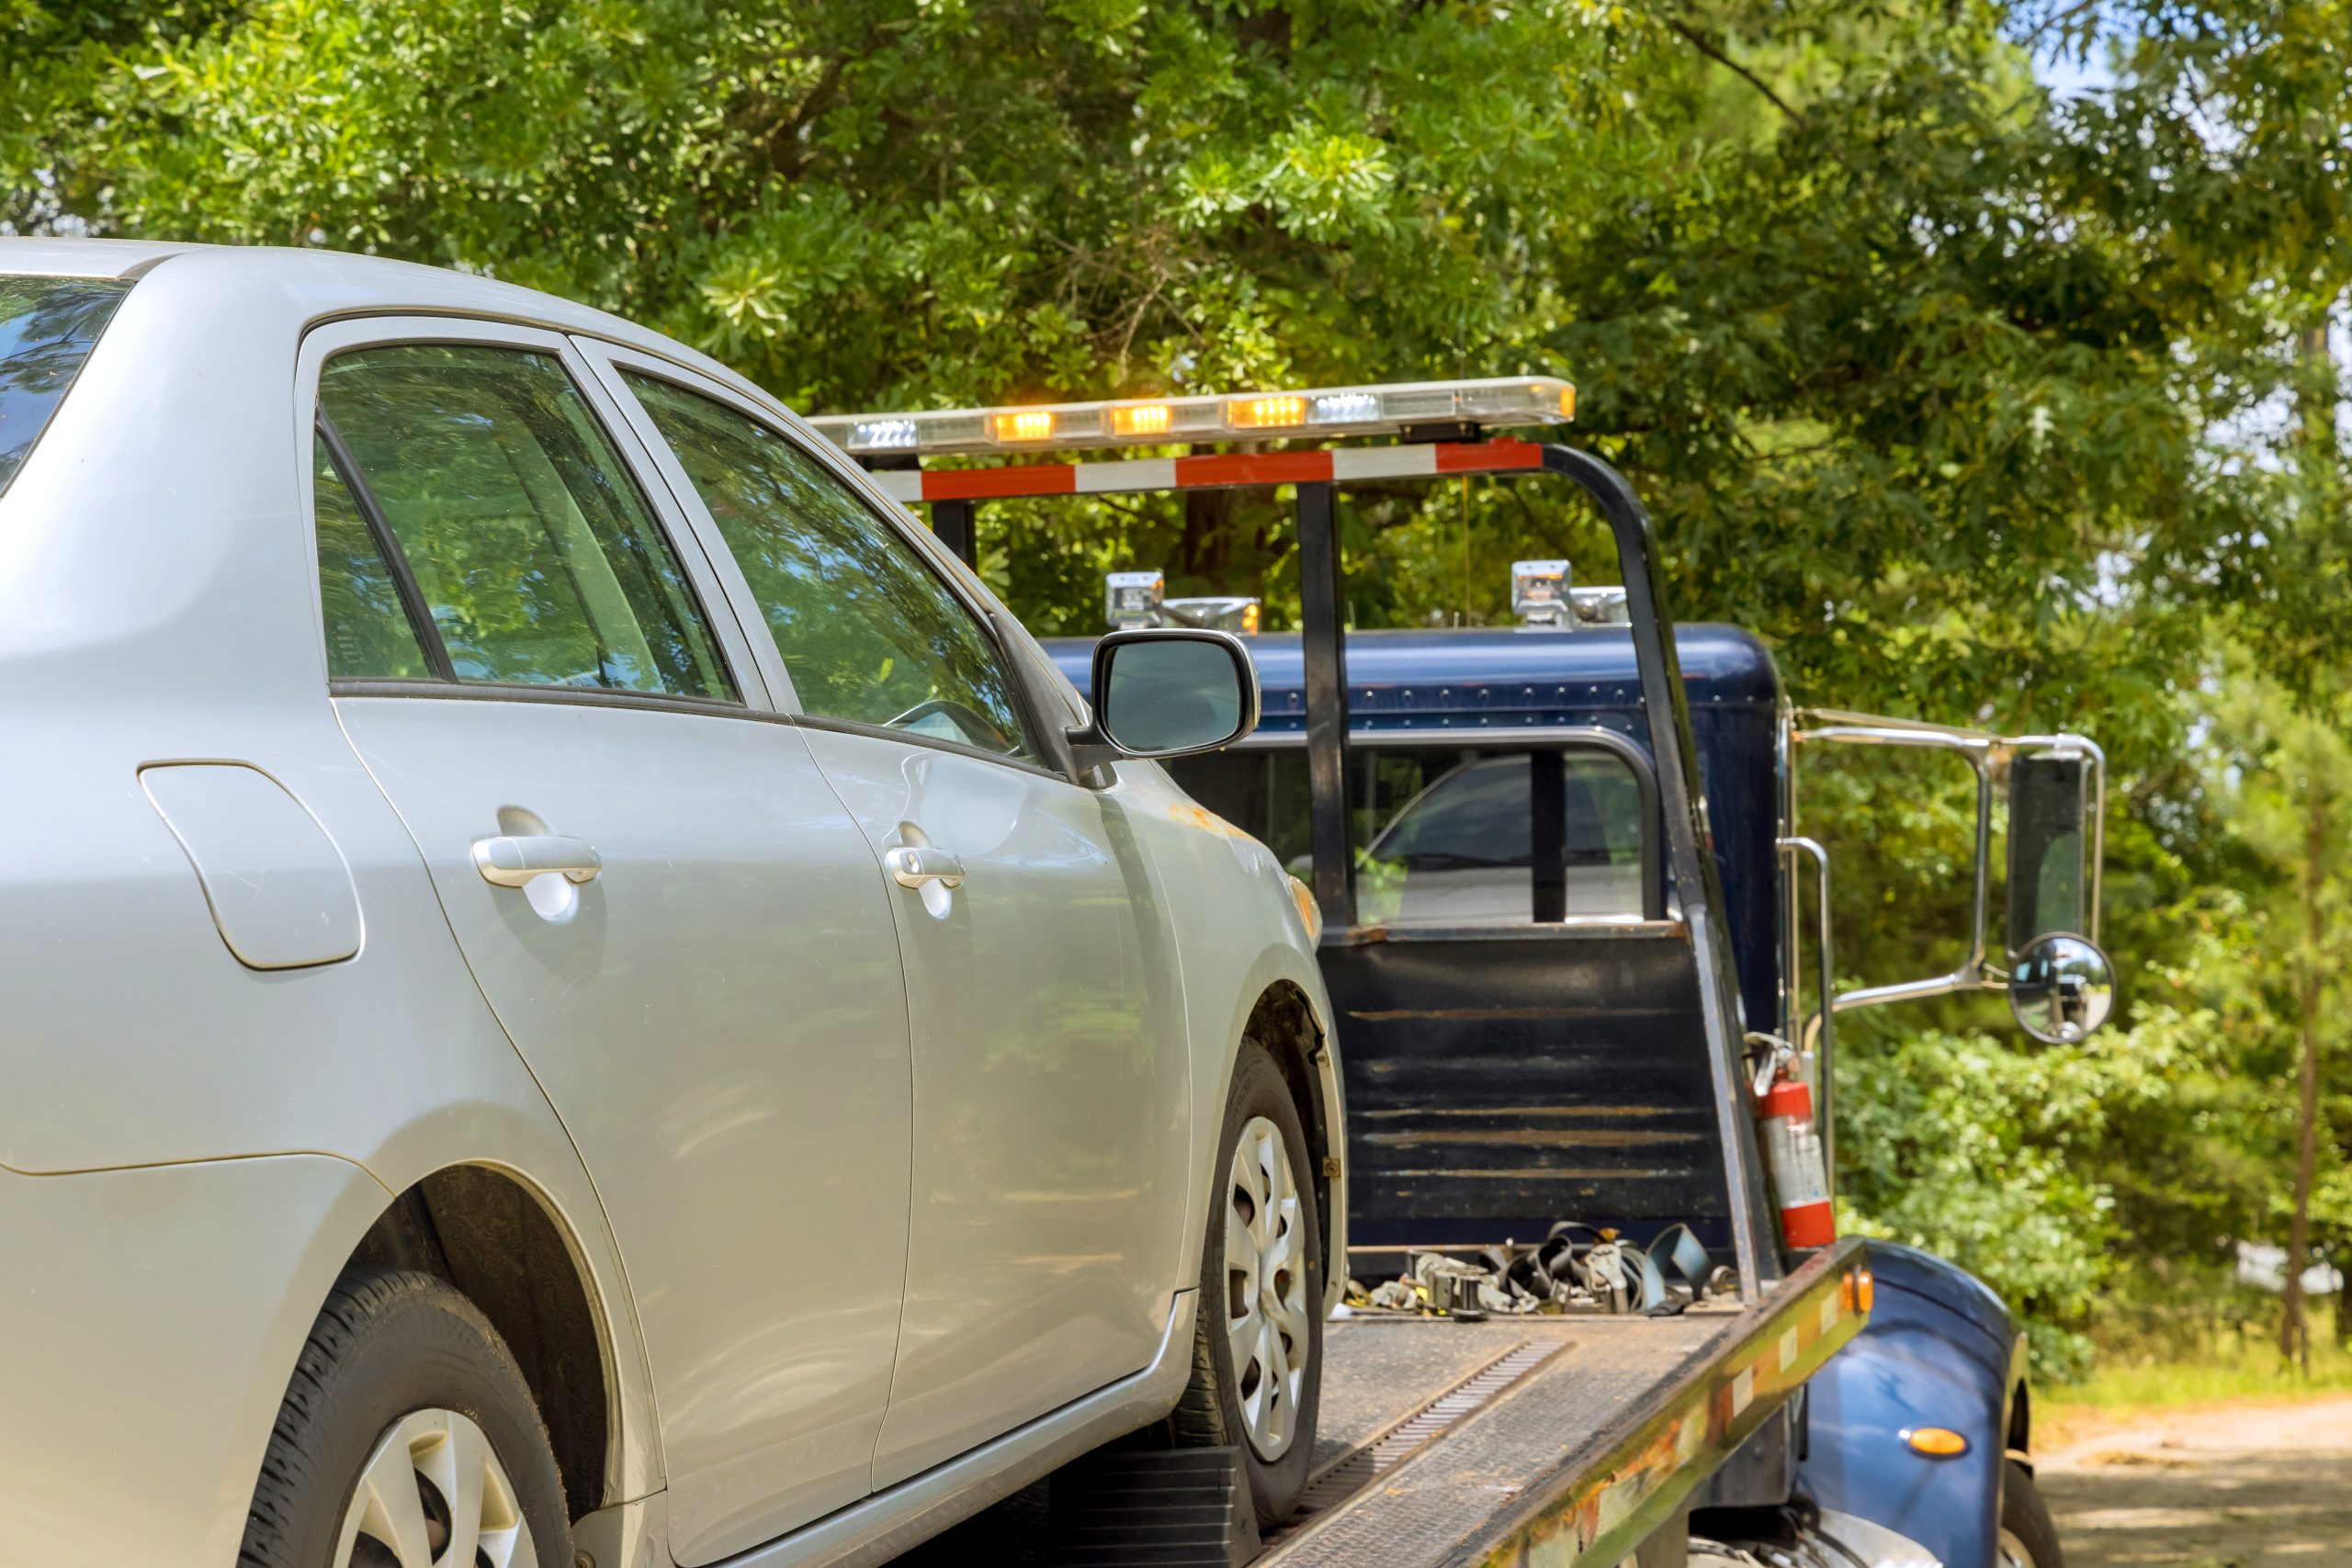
(1792, 1151)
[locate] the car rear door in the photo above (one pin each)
(1051, 1073)
(662, 898)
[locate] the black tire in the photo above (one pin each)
(2025, 1519)
(389, 1343)
(1210, 1413)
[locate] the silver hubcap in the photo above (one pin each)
(2014, 1553)
(1267, 1327)
(433, 1495)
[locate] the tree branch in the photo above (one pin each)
(1717, 53)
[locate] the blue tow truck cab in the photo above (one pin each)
(1941, 1364)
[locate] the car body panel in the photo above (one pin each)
(1049, 1108)
(720, 1023)
(159, 606)
(738, 922)
(186, 1399)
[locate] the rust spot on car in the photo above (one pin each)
(1202, 819)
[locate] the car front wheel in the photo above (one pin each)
(408, 1440)
(1258, 1348)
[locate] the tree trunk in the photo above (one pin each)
(2294, 1338)
(2344, 1299)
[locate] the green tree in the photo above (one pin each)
(1969, 400)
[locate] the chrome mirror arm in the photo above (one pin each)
(1983, 753)
(1822, 1022)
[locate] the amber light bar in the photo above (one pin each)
(1504, 403)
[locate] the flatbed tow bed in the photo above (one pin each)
(1512, 1441)
(1551, 1440)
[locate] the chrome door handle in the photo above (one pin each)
(512, 859)
(911, 865)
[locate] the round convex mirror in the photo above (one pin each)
(2061, 988)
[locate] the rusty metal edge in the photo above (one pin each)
(1602, 1506)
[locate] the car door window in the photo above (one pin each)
(536, 559)
(868, 632)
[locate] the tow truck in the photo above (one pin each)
(1562, 889)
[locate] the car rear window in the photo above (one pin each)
(47, 327)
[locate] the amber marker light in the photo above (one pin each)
(1308, 910)
(1567, 402)
(1024, 424)
(1267, 413)
(1142, 419)
(1934, 1442)
(1860, 1291)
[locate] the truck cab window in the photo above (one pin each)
(1448, 835)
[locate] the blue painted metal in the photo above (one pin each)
(1485, 681)
(1940, 1350)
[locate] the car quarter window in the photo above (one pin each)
(368, 631)
(868, 632)
(537, 560)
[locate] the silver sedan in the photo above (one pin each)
(575, 984)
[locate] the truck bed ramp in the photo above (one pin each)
(1549, 1440)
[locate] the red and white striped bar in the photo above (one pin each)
(1223, 470)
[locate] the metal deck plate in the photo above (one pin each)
(1379, 1371)
(1432, 1504)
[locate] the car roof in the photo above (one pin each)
(321, 283)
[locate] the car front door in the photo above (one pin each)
(660, 893)
(1050, 1069)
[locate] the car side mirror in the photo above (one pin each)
(2061, 988)
(1164, 692)
(2052, 798)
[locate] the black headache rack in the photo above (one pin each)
(1522, 1437)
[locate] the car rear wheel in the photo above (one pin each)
(408, 1440)
(2028, 1537)
(1258, 1344)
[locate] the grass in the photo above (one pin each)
(2223, 1364)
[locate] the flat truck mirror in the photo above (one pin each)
(2052, 799)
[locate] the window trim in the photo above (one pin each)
(525, 691)
(614, 362)
(329, 338)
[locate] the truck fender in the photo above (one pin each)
(1926, 1359)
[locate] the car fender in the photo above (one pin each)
(1241, 934)
(1932, 1355)
(135, 1433)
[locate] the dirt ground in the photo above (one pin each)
(2250, 1486)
